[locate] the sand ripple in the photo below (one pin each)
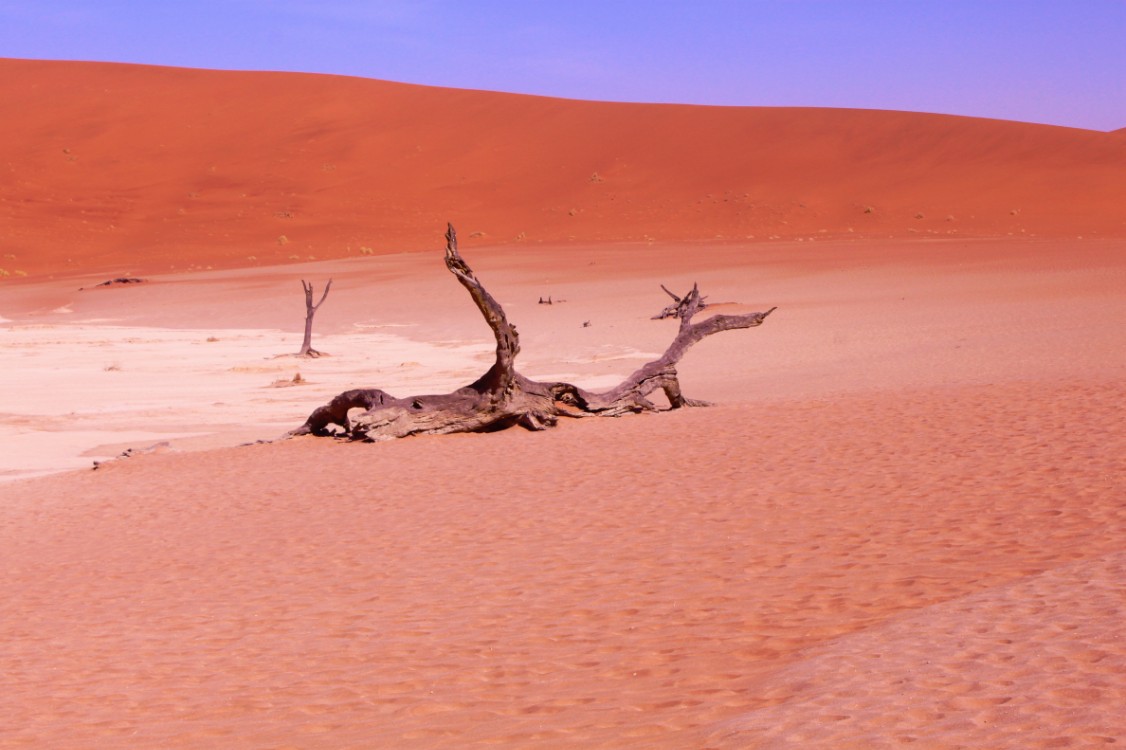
(941, 566)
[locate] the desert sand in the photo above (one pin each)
(901, 524)
(134, 169)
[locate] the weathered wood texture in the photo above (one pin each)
(502, 397)
(307, 349)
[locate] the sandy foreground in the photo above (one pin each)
(903, 524)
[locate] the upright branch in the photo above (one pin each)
(499, 376)
(502, 397)
(307, 349)
(676, 308)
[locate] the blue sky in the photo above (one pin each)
(1060, 62)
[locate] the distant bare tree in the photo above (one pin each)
(307, 349)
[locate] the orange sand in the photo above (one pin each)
(902, 524)
(125, 168)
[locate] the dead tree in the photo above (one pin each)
(674, 310)
(307, 349)
(502, 397)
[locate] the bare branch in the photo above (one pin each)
(327, 287)
(508, 341)
(677, 309)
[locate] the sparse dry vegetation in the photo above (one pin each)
(289, 382)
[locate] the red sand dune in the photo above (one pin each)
(147, 169)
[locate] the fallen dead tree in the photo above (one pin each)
(120, 281)
(502, 397)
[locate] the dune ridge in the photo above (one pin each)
(129, 168)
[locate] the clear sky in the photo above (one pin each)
(1060, 62)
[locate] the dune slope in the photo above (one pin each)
(142, 169)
